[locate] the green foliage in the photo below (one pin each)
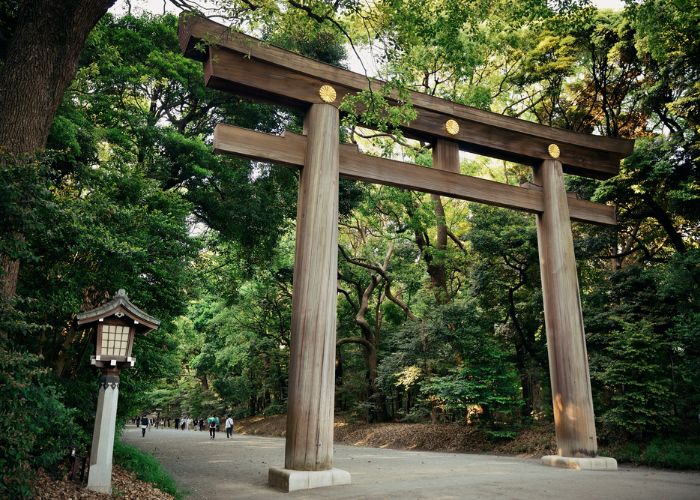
(685, 349)
(505, 282)
(562, 64)
(658, 182)
(638, 381)
(85, 220)
(374, 109)
(641, 363)
(40, 430)
(486, 378)
(110, 228)
(146, 468)
(667, 33)
(234, 352)
(151, 107)
(674, 454)
(665, 452)
(299, 33)
(481, 387)
(25, 202)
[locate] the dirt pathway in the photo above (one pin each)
(237, 468)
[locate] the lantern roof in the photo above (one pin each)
(119, 306)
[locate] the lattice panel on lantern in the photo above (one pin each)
(115, 340)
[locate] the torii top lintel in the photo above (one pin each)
(246, 66)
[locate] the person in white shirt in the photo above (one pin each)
(229, 426)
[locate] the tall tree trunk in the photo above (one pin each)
(10, 273)
(521, 365)
(436, 269)
(42, 59)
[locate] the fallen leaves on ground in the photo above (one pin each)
(533, 441)
(125, 486)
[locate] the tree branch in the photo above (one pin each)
(353, 340)
(399, 302)
(457, 241)
(347, 296)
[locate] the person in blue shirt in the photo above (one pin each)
(213, 425)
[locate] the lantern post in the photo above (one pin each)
(116, 323)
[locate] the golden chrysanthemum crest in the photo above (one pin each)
(452, 127)
(553, 151)
(327, 93)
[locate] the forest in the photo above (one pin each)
(108, 180)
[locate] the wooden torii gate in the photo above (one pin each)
(245, 66)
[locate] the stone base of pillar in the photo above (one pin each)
(580, 463)
(102, 488)
(293, 480)
(100, 472)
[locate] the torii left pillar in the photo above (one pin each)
(100, 475)
(310, 406)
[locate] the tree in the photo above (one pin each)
(460, 369)
(131, 173)
(505, 282)
(637, 383)
(45, 428)
(371, 293)
(39, 60)
(150, 104)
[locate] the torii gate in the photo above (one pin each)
(246, 66)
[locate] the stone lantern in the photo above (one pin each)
(117, 322)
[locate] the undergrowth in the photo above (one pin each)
(669, 453)
(146, 468)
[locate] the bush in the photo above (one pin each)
(418, 414)
(641, 397)
(672, 454)
(39, 429)
(485, 388)
(146, 468)
(668, 453)
(274, 408)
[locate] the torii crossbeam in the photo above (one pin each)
(246, 66)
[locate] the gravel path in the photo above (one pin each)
(237, 468)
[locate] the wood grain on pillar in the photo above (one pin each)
(309, 444)
(445, 157)
(566, 344)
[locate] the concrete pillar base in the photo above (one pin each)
(293, 480)
(100, 472)
(101, 488)
(580, 463)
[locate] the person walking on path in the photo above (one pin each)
(229, 427)
(213, 425)
(144, 424)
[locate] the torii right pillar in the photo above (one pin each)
(574, 420)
